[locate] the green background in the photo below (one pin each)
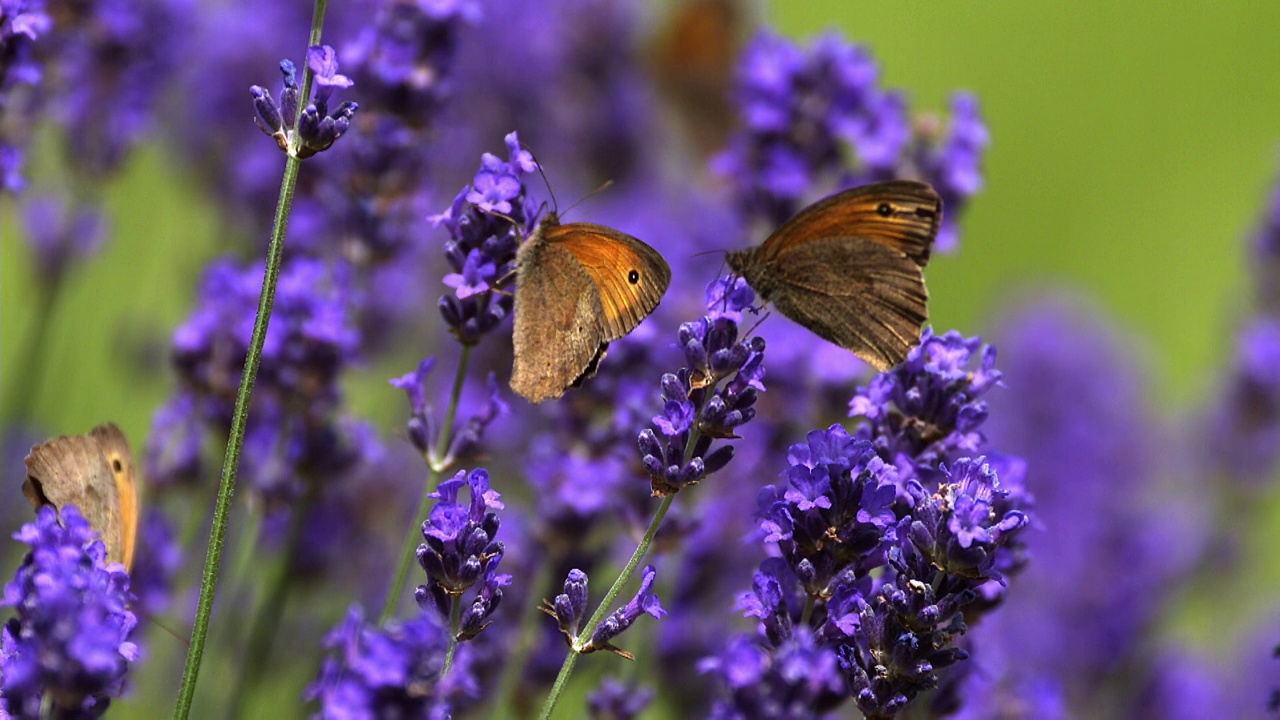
(1133, 148)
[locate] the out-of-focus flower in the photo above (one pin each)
(394, 671)
(67, 650)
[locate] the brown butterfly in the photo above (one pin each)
(578, 288)
(94, 472)
(849, 268)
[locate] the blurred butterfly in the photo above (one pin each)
(94, 472)
(578, 287)
(850, 268)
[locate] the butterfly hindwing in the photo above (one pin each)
(876, 311)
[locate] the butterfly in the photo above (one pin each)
(94, 472)
(850, 268)
(578, 287)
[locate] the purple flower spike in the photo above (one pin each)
(67, 649)
(421, 431)
(482, 245)
(695, 400)
(316, 128)
(817, 120)
(460, 551)
(644, 602)
(570, 607)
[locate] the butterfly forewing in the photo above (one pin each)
(630, 276)
(73, 470)
(901, 214)
(578, 288)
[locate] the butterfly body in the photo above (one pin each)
(95, 473)
(849, 268)
(579, 287)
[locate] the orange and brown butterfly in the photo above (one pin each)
(94, 472)
(579, 286)
(850, 268)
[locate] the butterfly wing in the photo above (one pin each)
(856, 293)
(630, 276)
(115, 448)
(901, 214)
(578, 287)
(73, 470)
(557, 321)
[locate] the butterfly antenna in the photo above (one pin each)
(555, 204)
(602, 187)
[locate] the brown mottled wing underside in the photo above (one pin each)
(578, 287)
(74, 470)
(902, 214)
(877, 311)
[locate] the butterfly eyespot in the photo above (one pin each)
(885, 209)
(116, 466)
(633, 277)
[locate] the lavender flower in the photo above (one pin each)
(69, 642)
(295, 429)
(61, 236)
(22, 22)
(615, 700)
(692, 398)
(113, 61)
(570, 608)
(392, 672)
(422, 428)
(316, 129)
(1241, 433)
(887, 539)
(155, 568)
(803, 110)
(952, 163)
(1077, 413)
(483, 242)
(645, 602)
(797, 679)
(461, 550)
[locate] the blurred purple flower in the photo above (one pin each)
(67, 650)
(60, 236)
(795, 680)
(393, 671)
(615, 700)
(1077, 413)
(803, 109)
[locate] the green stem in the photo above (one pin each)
(602, 610)
(235, 443)
(437, 463)
(267, 619)
(235, 439)
(455, 626)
